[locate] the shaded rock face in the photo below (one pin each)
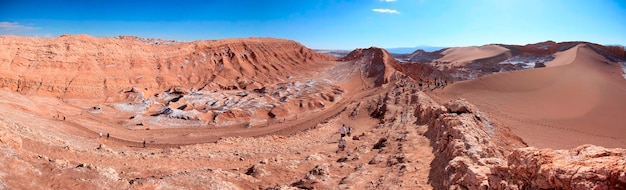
(82, 66)
(469, 155)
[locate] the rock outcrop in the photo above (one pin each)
(470, 154)
(81, 66)
(376, 64)
(584, 167)
(464, 142)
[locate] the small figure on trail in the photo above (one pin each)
(100, 134)
(144, 143)
(108, 136)
(349, 130)
(342, 131)
(341, 145)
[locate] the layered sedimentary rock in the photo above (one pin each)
(81, 66)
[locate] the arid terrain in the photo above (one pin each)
(83, 112)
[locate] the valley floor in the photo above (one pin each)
(65, 151)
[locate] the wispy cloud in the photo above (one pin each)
(15, 26)
(390, 11)
(388, 1)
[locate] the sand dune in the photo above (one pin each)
(462, 55)
(578, 99)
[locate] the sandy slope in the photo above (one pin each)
(578, 99)
(461, 55)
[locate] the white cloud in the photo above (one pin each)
(388, 1)
(391, 11)
(15, 26)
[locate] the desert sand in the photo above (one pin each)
(577, 99)
(463, 55)
(263, 113)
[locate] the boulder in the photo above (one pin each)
(458, 106)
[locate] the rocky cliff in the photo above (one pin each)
(81, 66)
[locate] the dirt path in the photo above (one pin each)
(309, 158)
(352, 81)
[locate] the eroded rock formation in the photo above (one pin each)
(80, 66)
(472, 154)
(376, 63)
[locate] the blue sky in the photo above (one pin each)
(345, 24)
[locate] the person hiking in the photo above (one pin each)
(108, 136)
(100, 134)
(349, 130)
(144, 143)
(341, 145)
(342, 130)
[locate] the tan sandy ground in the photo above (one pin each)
(579, 98)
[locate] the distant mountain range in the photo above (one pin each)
(407, 50)
(394, 51)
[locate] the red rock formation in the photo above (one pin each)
(584, 167)
(81, 66)
(376, 63)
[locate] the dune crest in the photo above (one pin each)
(577, 93)
(462, 55)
